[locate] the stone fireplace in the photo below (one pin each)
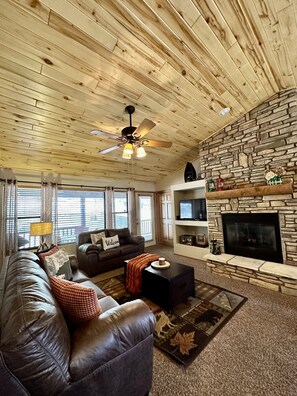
(265, 138)
(253, 235)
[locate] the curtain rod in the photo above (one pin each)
(69, 185)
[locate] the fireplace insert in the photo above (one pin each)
(255, 235)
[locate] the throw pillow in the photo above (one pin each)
(49, 252)
(78, 303)
(58, 264)
(109, 243)
(123, 233)
(97, 238)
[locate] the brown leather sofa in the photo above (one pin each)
(42, 355)
(94, 260)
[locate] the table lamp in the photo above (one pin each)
(41, 229)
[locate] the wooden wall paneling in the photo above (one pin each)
(271, 41)
(200, 39)
(235, 16)
(288, 29)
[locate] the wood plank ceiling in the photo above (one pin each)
(69, 66)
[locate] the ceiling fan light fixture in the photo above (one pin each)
(126, 156)
(140, 152)
(128, 149)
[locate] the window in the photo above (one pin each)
(120, 209)
(79, 211)
(28, 207)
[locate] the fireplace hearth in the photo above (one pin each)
(255, 235)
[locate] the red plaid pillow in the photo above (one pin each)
(79, 303)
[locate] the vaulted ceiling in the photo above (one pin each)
(70, 66)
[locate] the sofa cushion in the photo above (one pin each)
(58, 264)
(79, 303)
(96, 239)
(32, 324)
(111, 242)
(123, 233)
(127, 249)
(109, 254)
(91, 285)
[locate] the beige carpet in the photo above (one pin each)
(255, 353)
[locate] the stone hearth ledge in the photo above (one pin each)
(273, 276)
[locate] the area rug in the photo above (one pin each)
(184, 333)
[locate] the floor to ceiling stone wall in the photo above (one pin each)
(241, 153)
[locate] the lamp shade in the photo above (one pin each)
(126, 156)
(42, 228)
(128, 149)
(140, 152)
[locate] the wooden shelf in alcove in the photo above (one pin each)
(277, 189)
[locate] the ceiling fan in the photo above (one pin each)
(132, 138)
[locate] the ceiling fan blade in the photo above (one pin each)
(157, 143)
(144, 127)
(97, 132)
(109, 149)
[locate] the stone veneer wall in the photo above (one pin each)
(264, 138)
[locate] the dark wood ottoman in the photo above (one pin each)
(168, 287)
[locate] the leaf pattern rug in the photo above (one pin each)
(184, 333)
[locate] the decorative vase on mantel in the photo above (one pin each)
(190, 173)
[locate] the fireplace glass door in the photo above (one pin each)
(255, 235)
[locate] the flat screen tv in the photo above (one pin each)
(192, 209)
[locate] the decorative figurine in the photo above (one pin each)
(190, 173)
(211, 185)
(215, 247)
(220, 184)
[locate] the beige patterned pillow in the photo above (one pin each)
(97, 238)
(109, 243)
(58, 264)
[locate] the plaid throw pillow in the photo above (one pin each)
(78, 303)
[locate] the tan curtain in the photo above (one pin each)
(49, 209)
(132, 210)
(9, 221)
(108, 207)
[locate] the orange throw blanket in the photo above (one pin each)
(134, 271)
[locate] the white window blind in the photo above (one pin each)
(120, 209)
(79, 211)
(28, 209)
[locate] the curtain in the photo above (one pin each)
(49, 209)
(132, 210)
(9, 220)
(108, 206)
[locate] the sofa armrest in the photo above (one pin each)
(137, 239)
(73, 262)
(87, 248)
(111, 334)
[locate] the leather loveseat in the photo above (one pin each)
(42, 355)
(94, 260)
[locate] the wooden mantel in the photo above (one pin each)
(277, 189)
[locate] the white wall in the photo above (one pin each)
(176, 177)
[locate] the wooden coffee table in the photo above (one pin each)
(168, 287)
